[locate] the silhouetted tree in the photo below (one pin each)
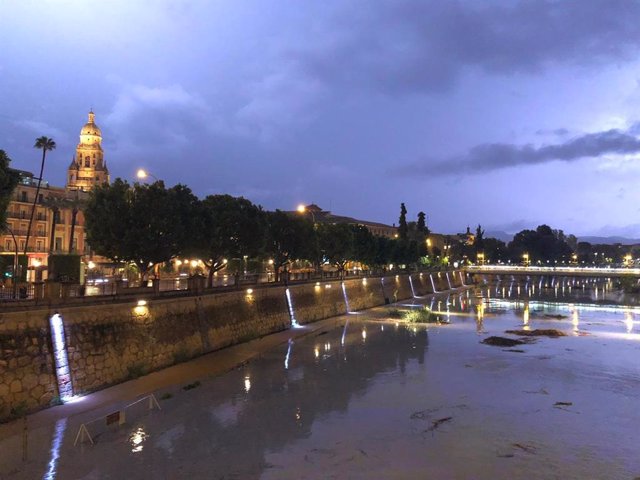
(402, 223)
(288, 238)
(46, 145)
(230, 227)
(8, 180)
(142, 224)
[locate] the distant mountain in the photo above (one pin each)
(610, 240)
(504, 236)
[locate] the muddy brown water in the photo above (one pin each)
(383, 399)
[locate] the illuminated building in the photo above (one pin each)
(323, 216)
(58, 221)
(88, 167)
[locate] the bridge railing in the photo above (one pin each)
(552, 270)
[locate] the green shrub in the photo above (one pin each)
(420, 315)
(18, 411)
(180, 355)
(191, 386)
(136, 370)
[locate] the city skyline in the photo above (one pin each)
(509, 115)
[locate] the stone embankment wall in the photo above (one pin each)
(111, 343)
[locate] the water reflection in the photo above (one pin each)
(58, 435)
(559, 288)
(137, 438)
(480, 317)
(282, 409)
(628, 320)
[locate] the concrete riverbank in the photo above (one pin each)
(50, 353)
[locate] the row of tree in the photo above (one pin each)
(542, 245)
(149, 224)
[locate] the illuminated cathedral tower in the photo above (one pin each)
(88, 167)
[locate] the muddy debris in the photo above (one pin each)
(555, 317)
(505, 455)
(515, 350)
(502, 341)
(538, 332)
(436, 423)
(542, 391)
(525, 448)
(563, 404)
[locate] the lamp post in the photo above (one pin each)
(15, 265)
(302, 210)
(143, 174)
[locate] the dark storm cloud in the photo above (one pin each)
(560, 132)
(422, 46)
(495, 156)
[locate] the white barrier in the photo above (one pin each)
(118, 417)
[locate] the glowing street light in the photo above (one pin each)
(143, 174)
(302, 210)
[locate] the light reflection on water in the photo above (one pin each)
(367, 387)
(137, 439)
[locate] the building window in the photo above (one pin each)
(22, 245)
(39, 245)
(23, 196)
(40, 198)
(87, 162)
(8, 245)
(74, 247)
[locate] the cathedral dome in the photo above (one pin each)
(90, 128)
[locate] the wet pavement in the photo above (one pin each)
(383, 399)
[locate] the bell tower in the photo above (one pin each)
(88, 167)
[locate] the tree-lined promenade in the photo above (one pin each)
(150, 224)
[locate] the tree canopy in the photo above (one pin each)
(143, 224)
(228, 227)
(8, 181)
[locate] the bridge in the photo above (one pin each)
(567, 271)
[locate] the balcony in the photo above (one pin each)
(23, 233)
(26, 215)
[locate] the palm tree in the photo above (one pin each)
(55, 204)
(46, 144)
(76, 205)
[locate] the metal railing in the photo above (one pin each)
(105, 287)
(24, 292)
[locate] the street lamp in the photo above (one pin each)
(525, 258)
(143, 174)
(302, 210)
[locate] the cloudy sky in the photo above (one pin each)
(505, 113)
